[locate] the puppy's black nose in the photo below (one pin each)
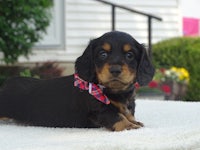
(115, 70)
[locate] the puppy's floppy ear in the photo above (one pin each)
(84, 64)
(145, 71)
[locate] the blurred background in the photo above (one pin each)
(43, 38)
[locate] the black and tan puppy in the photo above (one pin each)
(99, 94)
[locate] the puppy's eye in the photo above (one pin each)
(102, 55)
(129, 56)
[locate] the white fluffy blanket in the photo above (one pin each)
(168, 126)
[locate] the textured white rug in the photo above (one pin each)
(168, 126)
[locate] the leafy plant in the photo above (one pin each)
(181, 52)
(27, 73)
(22, 23)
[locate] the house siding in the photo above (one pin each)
(88, 19)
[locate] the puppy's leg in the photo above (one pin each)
(112, 120)
(124, 124)
(131, 118)
(127, 113)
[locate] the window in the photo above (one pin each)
(54, 39)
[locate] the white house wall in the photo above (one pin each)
(87, 19)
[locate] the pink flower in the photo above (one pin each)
(137, 86)
(153, 84)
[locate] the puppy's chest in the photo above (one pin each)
(122, 101)
(123, 98)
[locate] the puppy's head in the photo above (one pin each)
(115, 60)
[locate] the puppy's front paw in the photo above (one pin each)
(124, 124)
(138, 123)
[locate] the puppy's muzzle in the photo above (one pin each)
(115, 70)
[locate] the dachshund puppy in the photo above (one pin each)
(99, 94)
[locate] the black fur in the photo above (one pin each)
(57, 103)
(145, 70)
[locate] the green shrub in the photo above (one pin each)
(22, 23)
(181, 52)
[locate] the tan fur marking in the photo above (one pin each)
(106, 47)
(127, 47)
(123, 109)
(126, 112)
(4, 118)
(124, 124)
(127, 74)
(103, 73)
(126, 77)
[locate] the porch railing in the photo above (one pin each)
(149, 22)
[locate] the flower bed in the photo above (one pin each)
(171, 82)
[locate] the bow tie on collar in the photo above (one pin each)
(93, 89)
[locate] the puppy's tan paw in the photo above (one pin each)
(138, 123)
(121, 125)
(124, 124)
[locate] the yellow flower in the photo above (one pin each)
(181, 73)
(174, 69)
(184, 74)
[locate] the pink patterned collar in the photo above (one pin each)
(93, 89)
